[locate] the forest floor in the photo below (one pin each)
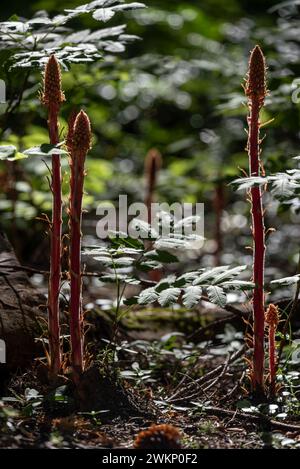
(193, 379)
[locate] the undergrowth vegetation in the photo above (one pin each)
(161, 320)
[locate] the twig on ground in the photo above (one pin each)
(217, 411)
(181, 393)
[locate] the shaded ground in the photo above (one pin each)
(195, 386)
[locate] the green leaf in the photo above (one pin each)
(228, 274)
(169, 296)
(162, 256)
(238, 284)
(217, 295)
(149, 295)
(119, 241)
(165, 283)
(210, 274)
(103, 14)
(10, 153)
(248, 183)
(286, 281)
(191, 296)
(131, 301)
(46, 149)
(146, 266)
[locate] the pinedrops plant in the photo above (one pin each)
(52, 97)
(153, 162)
(256, 91)
(78, 142)
(272, 320)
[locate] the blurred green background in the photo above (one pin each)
(177, 89)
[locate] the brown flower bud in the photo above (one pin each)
(52, 93)
(272, 316)
(256, 84)
(82, 135)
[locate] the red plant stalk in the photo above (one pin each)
(272, 319)
(78, 142)
(52, 97)
(218, 207)
(256, 92)
(153, 162)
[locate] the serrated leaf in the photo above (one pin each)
(103, 14)
(217, 295)
(238, 284)
(145, 266)
(286, 281)
(191, 296)
(165, 283)
(45, 150)
(169, 296)
(162, 256)
(283, 185)
(228, 274)
(10, 153)
(149, 295)
(248, 183)
(209, 274)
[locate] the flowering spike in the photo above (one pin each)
(78, 143)
(256, 91)
(52, 93)
(272, 316)
(52, 97)
(256, 84)
(82, 133)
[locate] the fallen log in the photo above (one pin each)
(22, 313)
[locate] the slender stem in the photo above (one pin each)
(258, 246)
(272, 359)
(218, 207)
(77, 178)
(55, 242)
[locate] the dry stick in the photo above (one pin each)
(52, 97)
(256, 91)
(210, 375)
(79, 144)
(254, 418)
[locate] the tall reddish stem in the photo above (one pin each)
(52, 97)
(272, 320)
(258, 246)
(256, 91)
(76, 332)
(78, 143)
(55, 248)
(218, 207)
(272, 359)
